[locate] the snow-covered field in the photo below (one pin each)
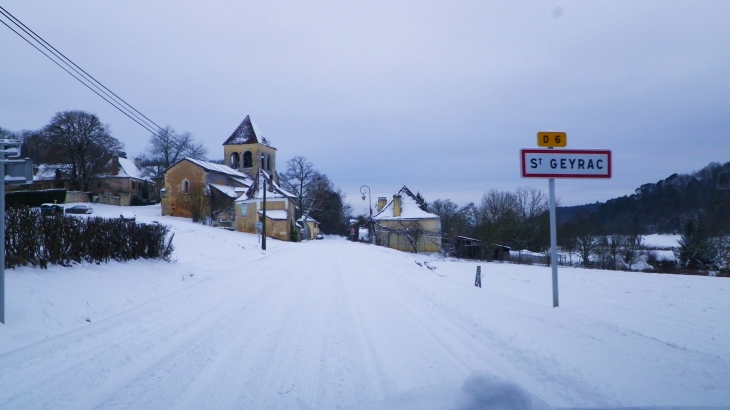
(334, 324)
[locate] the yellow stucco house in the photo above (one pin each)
(280, 208)
(309, 227)
(403, 224)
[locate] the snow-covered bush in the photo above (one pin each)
(35, 239)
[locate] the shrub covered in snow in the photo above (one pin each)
(35, 239)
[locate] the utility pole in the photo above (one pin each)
(263, 221)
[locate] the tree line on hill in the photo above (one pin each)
(606, 235)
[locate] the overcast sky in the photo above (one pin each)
(439, 96)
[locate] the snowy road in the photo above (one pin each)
(332, 324)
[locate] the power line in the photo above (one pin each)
(86, 79)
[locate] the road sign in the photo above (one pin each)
(552, 139)
(548, 163)
(18, 171)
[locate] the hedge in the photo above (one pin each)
(34, 198)
(38, 240)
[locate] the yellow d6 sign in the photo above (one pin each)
(552, 139)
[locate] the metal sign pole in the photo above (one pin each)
(12, 171)
(553, 242)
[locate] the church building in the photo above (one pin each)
(231, 194)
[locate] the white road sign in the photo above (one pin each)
(565, 163)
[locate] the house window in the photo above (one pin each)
(247, 159)
(244, 209)
(186, 187)
(268, 162)
(235, 160)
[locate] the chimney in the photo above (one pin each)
(138, 163)
(382, 201)
(115, 165)
(396, 205)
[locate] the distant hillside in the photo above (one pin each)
(661, 207)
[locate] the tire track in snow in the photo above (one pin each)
(80, 362)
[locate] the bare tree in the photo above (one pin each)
(193, 198)
(302, 180)
(531, 206)
(78, 138)
(167, 147)
(587, 245)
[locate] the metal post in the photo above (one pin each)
(553, 243)
(2, 233)
(263, 221)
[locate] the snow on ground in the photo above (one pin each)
(335, 324)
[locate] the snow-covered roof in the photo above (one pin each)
(410, 208)
(228, 190)
(247, 133)
(307, 219)
(210, 166)
(243, 181)
(253, 192)
(128, 169)
(47, 172)
(278, 214)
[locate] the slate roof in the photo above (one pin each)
(210, 166)
(253, 192)
(247, 133)
(225, 189)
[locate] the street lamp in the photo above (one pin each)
(362, 191)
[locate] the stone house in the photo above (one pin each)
(125, 183)
(233, 192)
(216, 185)
(403, 224)
(51, 176)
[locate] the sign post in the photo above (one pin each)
(553, 241)
(12, 171)
(551, 164)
